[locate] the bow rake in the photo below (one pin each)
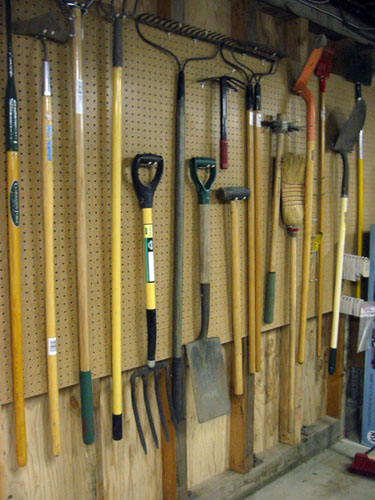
(145, 193)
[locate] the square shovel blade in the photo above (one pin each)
(209, 378)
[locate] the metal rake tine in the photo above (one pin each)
(135, 411)
(148, 410)
(160, 406)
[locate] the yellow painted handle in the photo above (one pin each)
(339, 269)
(116, 242)
(15, 304)
(49, 269)
(309, 180)
(293, 332)
(251, 239)
(148, 235)
(258, 236)
(236, 298)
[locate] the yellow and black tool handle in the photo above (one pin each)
(116, 229)
(145, 193)
(11, 133)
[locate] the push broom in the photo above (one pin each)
(292, 204)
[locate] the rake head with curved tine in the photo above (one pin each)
(145, 193)
(112, 14)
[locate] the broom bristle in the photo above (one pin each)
(292, 188)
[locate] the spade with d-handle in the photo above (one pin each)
(205, 355)
(344, 144)
(145, 193)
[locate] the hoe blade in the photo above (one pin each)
(209, 378)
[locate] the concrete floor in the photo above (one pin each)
(323, 477)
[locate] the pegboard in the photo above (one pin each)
(149, 82)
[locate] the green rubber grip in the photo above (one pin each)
(87, 407)
(270, 297)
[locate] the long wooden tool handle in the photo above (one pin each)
(116, 231)
(251, 239)
(309, 180)
(322, 220)
(338, 283)
(47, 176)
(236, 299)
(258, 235)
(83, 319)
(293, 330)
(11, 133)
(271, 276)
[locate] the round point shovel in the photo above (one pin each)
(208, 372)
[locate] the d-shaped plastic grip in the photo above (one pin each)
(145, 192)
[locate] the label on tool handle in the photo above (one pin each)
(52, 346)
(79, 97)
(14, 203)
(149, 253)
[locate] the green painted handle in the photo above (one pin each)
(87, 407)
(270, 297)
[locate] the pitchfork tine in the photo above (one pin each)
(148, 410)
(135, 411)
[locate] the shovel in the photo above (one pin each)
(344, 144)
(205, 356)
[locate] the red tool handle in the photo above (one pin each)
(223, 154)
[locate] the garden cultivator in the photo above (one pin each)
(145, 193)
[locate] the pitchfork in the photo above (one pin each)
(145, 193)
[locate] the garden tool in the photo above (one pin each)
(359, 63)
(11, 141)
(233, 195)
(75, 10)
(179, 197)
(145, 194)
(255, 228)
(344, 144)
(116, 17)
(206, 361)
(44, 27)
(280, 127)
(292, 178)
(301, 88)
(225, 83)
(323, 69)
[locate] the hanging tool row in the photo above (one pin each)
(292, 183)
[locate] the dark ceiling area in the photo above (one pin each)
(353, 19)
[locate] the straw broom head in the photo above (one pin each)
(292, 189)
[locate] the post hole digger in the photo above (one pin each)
(44, 27)
(145, 194)
(74, 10)
(205, 355)
(344, 144)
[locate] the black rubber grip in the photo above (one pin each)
(117, 42)
(151, 334)
(257, 97)
(358, 91)
(117, 427)
(145, 192)
(332, 361)
(249, 97)
(223, 108)
(178, 388)
(181, 86)
(345, 176)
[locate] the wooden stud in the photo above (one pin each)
(171, 9)
(242, 422)
(297, 39)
